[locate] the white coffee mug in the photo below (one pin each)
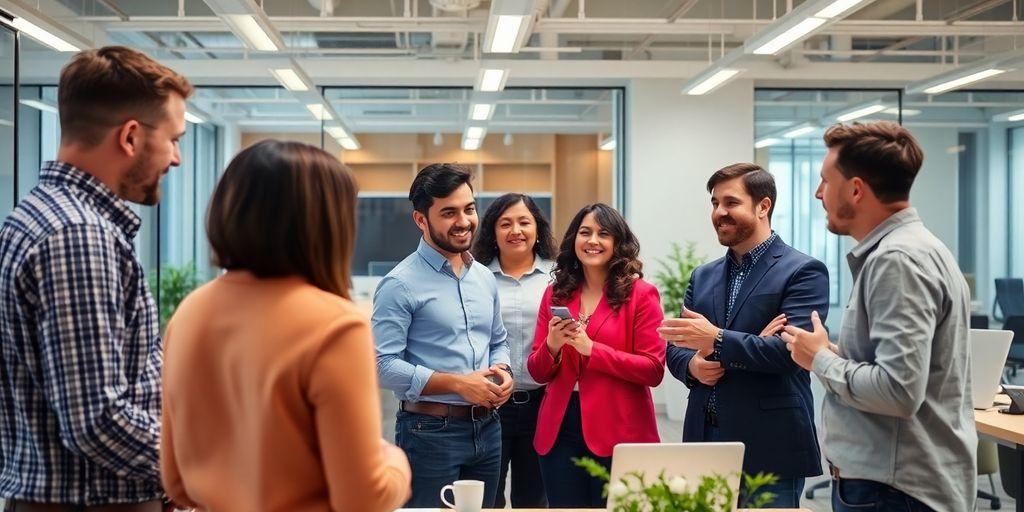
(468, 494)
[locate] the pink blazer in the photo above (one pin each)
(628, 358)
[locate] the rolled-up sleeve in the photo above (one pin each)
(903, 305)
(392, 314)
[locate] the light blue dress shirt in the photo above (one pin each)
(427, 319)
(520, 300)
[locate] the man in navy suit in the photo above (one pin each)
(744, 385)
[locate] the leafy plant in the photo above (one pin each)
(633, 492)
(173, 284)
(674, 276)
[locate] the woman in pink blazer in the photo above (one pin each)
(600, 365)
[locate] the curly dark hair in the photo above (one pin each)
(485, 247)
(624, 269)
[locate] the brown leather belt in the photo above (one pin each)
(462, 412)
(28, 506)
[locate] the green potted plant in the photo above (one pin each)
(635, 492)
(173, 284)
(674, 276)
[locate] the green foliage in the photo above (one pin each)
(674, 276)
(634, 493)
(173, 285)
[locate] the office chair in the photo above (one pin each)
(809, 493)
(1009, 297)
(1009, 461)
(1015, 358)
(988, 463)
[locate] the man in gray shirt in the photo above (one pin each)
(898, 417)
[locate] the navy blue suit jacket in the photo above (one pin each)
(764, 399)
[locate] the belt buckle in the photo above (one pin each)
(473, 410)
(520, 393)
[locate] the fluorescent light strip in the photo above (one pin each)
(790, 36)
(337, 132)
(40, 34)
(193, 118)
(861, 112)
(962, 81)
(319, 111)
(348, 143)
(481, 111)
(251, 31)
(492, 80)
(290, 79)
(763, 143)
(1017, 117)
(470, 144)
(506, 33)
(798, 132)
(475, 132)
(836, 8)
(36, 104)
(712, 82)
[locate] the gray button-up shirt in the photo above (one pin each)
(520, 300)
(898, 406)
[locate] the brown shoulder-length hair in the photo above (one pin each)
(623, 269)
(285, 209)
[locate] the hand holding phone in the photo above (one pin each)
(562, 312)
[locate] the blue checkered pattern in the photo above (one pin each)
(737, 274)
(81, 350)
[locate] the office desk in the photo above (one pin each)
(1007, 430)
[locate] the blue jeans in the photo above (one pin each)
(787, 491)
(864, 495)
(567, 485)
(443, 450)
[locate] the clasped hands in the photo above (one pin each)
(480, 388)
(568, 332)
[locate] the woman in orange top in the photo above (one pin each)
(269, 383)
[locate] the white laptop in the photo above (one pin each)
(691, 461)
(989, 349)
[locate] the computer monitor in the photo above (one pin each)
(691, 461)
(988, 357)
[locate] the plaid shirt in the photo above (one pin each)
(81, 351)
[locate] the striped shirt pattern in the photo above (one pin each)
(80, 350)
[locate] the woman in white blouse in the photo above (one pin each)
(515, 242)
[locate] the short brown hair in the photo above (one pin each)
(884, 154)
(285, 209)
(105, 87)
(758, 182)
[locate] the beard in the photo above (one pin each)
(741, 231)
(843, 212)
(446, 241)
(140, 185)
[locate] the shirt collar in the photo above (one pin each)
(539, 265)
(93, 191)
(435, 259)
(900, 218)
(751, 257)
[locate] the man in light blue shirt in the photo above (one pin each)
(441, 345)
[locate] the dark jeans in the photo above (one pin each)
(567, 485)
(518, 426)
(863, 495)
(443, 450)
(787, 491)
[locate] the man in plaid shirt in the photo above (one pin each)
(80, 356)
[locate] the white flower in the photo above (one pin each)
(677, 485)
(617, 489)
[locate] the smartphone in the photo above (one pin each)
(562, 312)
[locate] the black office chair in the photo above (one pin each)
(1009, 297)
(1015, 359)
(1009, 472)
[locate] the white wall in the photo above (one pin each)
(675, 143)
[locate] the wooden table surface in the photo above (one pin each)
(1006, 427)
